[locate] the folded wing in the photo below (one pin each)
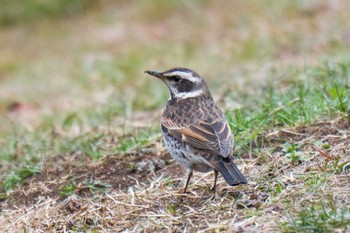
(213, 135)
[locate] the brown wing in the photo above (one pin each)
(214, 135)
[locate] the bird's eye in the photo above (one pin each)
(176, 78)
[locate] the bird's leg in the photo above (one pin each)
(215, 179)
(189, 175)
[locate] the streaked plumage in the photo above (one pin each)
(195, 131)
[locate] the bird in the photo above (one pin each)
(195, 130)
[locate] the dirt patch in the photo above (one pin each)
(332, 132)
(78, 174)
(335, 133)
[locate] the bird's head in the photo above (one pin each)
(183, 83)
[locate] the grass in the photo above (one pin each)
(94, 186)
(316, 92)
(80, 146)
(318, 217)
(16, 12)
(68, 190)
(137, 140)
(19, 176)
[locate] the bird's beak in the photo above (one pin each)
(154, 73)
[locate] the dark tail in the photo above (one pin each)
(231, 173)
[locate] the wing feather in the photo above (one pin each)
(206, 134)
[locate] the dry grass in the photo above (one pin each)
(155, 201)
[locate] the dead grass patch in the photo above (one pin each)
(117, 172)
(150, 199)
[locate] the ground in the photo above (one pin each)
(80, 143)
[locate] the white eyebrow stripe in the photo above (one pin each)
(185, 75)
(185, 95)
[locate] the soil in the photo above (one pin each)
(331, 132)
(117, 172)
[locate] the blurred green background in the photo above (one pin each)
(66, 56)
